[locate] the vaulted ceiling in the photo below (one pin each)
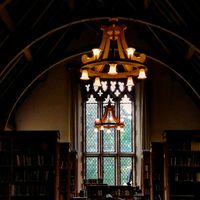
(36, 35)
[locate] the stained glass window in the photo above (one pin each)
(91, 166)
(109, 170)
(126, 135)
(91, 138)
(126, 170)
(109, 141)
(109, 154)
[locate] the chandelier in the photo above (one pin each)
(109, 119)
(113, 59)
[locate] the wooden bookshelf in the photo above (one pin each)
(183, 164)
(28, 165)
(157, 170)
(146, 174)
(67, 172)
(5, 166)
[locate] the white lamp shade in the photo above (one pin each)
(130, 81)
(142, 74)
(96, 53)
(113, 69)
(97, 82)
(130, 51)
(84, 75)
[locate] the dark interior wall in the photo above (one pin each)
(170, 104)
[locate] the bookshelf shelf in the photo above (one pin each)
(28, 164)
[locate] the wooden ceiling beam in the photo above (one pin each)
(5, 16)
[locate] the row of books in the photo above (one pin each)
(185, 176)
(192, 160)
(33, 175)
(31, 160)
(34, 189)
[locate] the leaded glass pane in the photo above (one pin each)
(109, 170)
(109, 140)
(126, 144)
(91, 136)
(126, 170)
(91, 168)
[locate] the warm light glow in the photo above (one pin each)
(116, 61)
(113, 69)
(118, 128)
(96, 53)
(96, 130)
(130, 81)
(84, 75)
(97, 82)
(108, 131)
(142, 74)
(109, 119)
(97, 120)
(130, 51)
(110, 62)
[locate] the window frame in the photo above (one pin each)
(101, 154)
